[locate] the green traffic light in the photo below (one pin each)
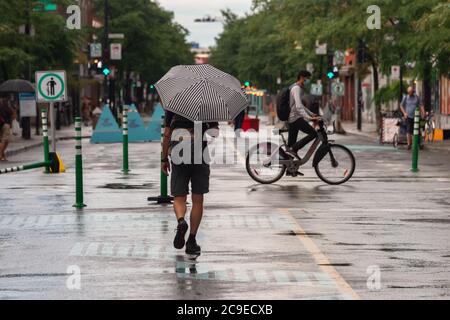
(247, 83)
(330, 75)
(106, 72)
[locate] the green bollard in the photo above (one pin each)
(415, 147)
(45, 140)
(163, 176)
(79, 204)
(164, 198)
(125, 168)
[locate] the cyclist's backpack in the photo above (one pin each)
(283, 104)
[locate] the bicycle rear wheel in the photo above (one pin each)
(429, 132)
(337, 167)
(262, 163)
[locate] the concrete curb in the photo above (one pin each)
(17, 151)
(363, 134)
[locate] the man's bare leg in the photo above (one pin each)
(196, 218)
(409, 138)
(196, 213)
(3, 146)
(179, 205)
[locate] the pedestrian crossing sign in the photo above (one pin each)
(338, 89)
(316, 89)
(51, 86)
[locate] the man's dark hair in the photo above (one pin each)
(304, 74)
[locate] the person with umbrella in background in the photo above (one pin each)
(7, 115)
(196, 98)
(16, 87)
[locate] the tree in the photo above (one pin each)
(52, 46)
(153, 41)
(411, 31)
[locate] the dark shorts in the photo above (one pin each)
(410, 126)
(183, 174)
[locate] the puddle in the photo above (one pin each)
(442, 221)
(297, 233)
(397, 250)
(122, 186)
(336, 264)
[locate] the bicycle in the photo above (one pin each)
(334, 164)
(429, 127)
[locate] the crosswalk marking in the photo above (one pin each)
(197, 271)
(141, 222)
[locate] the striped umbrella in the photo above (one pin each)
(201, 93)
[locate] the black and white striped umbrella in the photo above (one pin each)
(201, 93)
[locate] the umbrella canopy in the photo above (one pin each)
(201, 93)
(16, 86)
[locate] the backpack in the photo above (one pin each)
(283, 104)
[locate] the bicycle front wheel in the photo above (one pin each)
(262, 163)
(337, 167)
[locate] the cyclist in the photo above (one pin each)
(299, 116)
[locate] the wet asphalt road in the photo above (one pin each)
(298, 239)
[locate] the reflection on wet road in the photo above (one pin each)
(298, 239)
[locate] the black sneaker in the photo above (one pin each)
(179, 240)
(292, 154)
(193, 248)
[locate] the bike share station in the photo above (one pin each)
(51, 87)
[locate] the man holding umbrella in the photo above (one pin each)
(196, 98)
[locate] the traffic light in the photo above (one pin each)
(152, 89)
(247, 84)
(106, 71)
(333, 73)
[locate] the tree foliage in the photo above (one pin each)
(52, 46)
(153, 41)
(411, 31)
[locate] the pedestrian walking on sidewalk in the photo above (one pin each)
(196, 98)
(408, 107)
(7, 115)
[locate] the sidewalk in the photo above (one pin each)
(18, 144)
(369, 130)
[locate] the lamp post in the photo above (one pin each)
(361, 59)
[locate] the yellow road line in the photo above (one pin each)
(321, 260)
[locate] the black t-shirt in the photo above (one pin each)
(6, 114)
(175, 121)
